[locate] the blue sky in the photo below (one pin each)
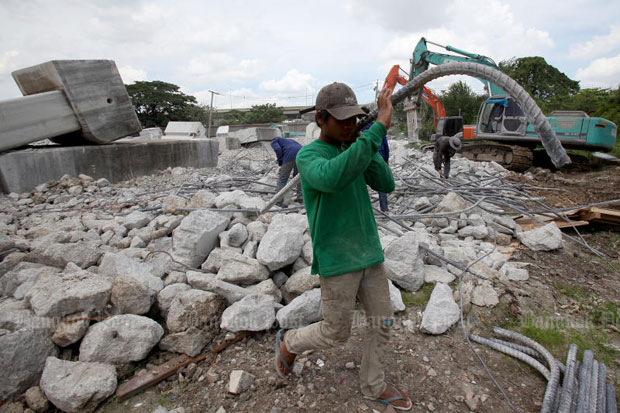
(283, 52)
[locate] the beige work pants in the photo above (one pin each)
(338, 294)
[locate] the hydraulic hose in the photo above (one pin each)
(533, 113)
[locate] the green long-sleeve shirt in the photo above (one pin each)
(340, 216)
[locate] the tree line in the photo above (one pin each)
(157, 103)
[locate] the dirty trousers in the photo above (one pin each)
(338, 295)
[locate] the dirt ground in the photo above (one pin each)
(572, 287)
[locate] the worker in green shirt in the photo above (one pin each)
(335, 171)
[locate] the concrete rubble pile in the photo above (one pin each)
(170, 260)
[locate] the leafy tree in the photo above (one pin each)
(158, 102)
(233, 117)
(543, 81)
(461, 100)
(267, 113)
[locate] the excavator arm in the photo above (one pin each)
(422, 58)
(429, 97)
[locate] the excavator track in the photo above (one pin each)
(515, 158)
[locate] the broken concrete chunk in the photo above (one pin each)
(58, 296)
(256, 230)
(298, 283)
(171, 203)
(484, 295)
(36, 400)
(238, 199)
(267, 287)
(77, 386)
(396, 298)
(252, 313)
(434, 274)
(546, 238)
(114, 265)
(283, 242)
(190, 342)
(71, 329)
(136, 219)
(237, 235)
(441, 311)
(242, 270)
(514, 272)
(195, 308)
(209, 282)
(303, 310)
(120, 339)
(84, 254)
(130, 296)
(240, 381)
(22, 358)
(404, 262)
(202, 199)
(167, 295)
(196, 236)
(452, 202)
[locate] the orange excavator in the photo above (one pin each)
(393, 77)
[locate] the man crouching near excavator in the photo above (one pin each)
(335, 170)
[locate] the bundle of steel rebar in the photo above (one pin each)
(584, 387)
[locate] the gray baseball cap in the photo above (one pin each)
(339, 101)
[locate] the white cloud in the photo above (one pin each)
(293, 82)
(130, 74)
(598, 46)
(603, 72)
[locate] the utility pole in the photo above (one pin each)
(211, 111)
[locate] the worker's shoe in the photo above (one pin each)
(394, 397)
(284, 360)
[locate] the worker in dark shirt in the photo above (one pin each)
(445, 148)
(286, 152)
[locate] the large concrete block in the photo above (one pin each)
(95, 91)
(21, 171)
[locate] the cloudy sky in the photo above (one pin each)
(256, 52)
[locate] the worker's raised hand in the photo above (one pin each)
(384, 106)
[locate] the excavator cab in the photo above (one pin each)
(501, 114)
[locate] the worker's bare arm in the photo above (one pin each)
(384, 106)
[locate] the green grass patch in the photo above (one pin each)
(556, 335)
(420, 297)
(572, 291)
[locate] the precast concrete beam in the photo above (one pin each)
(93, 90)
(21, 171)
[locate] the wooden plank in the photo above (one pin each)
(157, 374)
(154, 376)
(33, 118)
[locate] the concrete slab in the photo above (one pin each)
(21, 171)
